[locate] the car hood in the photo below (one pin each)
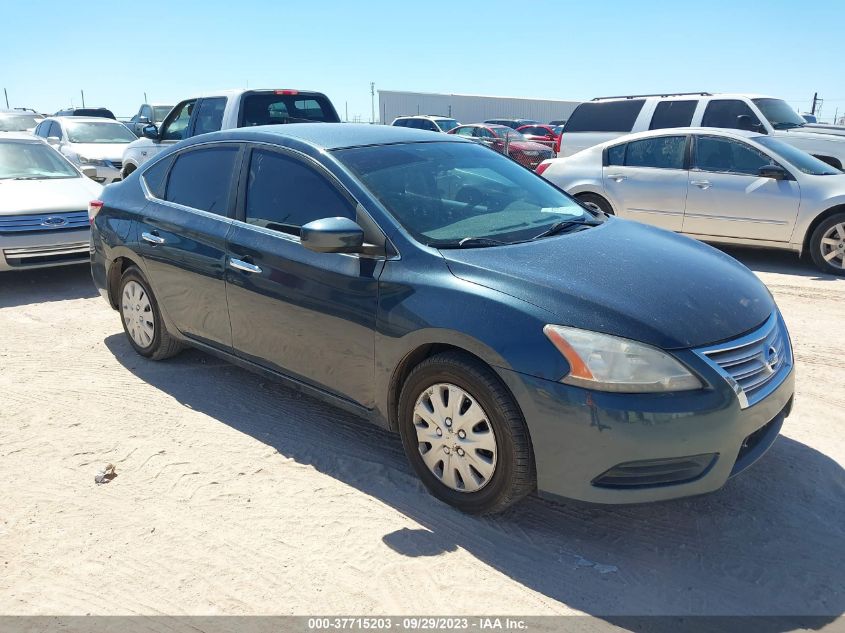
(101, 151)
(807, 133)
(49, 195)
(626, 279)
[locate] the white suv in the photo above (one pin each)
(604, 119)
(429, 122)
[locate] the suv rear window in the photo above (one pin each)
(604, 116)
(672, 114)
(269, 108)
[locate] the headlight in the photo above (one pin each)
(609, 363)
(91, 161)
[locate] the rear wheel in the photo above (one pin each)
(594, 198)
(827, 245)
(142, 320)
(464, 434)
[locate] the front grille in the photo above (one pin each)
(43, 222)
(754, 365)
(37, 255)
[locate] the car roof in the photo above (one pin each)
(671, 131)
(82, 119)
(329, 136)
(21, 136)
(685, 96)
(424, 116)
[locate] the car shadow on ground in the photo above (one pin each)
(766, 544)
(46, 284)
(766, 260)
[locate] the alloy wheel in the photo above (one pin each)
(833, 245)
(137, 312)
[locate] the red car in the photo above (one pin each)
(527, 153)
(545, 134)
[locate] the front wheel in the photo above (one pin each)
(464, 435)
(599, 201)
(827, 245)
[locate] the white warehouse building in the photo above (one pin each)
(470, 108)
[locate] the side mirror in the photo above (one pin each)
(775, 172)
(332, 235)
(149, 131)
(54, 140)
(90, 172)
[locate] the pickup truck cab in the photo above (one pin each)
(606, 118)
(225, 110)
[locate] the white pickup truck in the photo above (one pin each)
(225, 110)
(606, 118)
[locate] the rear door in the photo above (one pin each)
(728, 198)
(182, 237)
(646, 180)
(309, 315)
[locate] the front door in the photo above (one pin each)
(182, 236)
(728, 198)
(309, 315)
(646, 180)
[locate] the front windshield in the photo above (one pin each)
(447, 124)
(26, 160)
(798, 158)
(97, 132)
(159, 112)
(18, 122)
(443, 193)
(779, 113)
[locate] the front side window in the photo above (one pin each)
(105, 132)
(726, 113)
(447, 124)
(210, 115)
(662, 152)
(463, 131)
(283, 194)
(176, 128)
(672, 114)
(21, 160)
(717, 154)
(605, 116)
(55, 130)
(201, 178)
(444, 193)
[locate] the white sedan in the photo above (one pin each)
(722, 186)
(43, 205)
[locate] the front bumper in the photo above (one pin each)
(579, 436)
(43, 249)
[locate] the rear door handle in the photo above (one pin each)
(152, 238)
(239, 264)
(617, 177)
(701, 184)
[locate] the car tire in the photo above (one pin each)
(469, 476)
(597, 200)
(141, 318)
(827, 245)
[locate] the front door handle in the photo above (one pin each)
(239, 264)
(701, 184)
(617, 177)
(152, 238)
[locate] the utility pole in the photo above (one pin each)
(82, 92)
(6, 94)
(815, 99)
(145, 98)
(372, 102)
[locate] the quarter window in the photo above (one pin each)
(726, 112)
(201, 178)
(155, 177)
(718, 154)
(605, 116)
(283, 194)
(664, 152)
(672, 114)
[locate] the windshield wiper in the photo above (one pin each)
(29, 177)
(469, 242)
(785, 125)
(559, 227)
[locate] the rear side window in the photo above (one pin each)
(210, 115)
(269, 108)
(283, 194)
(201, 178)
(401, 122)
(663, 152)
(605, 116)
(672, 114)
(155, 177)
(726, 113)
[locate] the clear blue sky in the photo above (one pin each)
(116, 51)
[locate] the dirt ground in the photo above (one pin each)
(234, 495)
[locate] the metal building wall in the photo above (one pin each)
(470, 108)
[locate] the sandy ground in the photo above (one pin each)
(236, 496)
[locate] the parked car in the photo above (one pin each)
(512, 123)
(558, 123)
(513, 338)
(43, 205)
(18, 121)
(89, 141)
(604, 119)
(723, 186)
(148, 113)
(430, 122)
(500, 138)
(104, 113)
(225, 110)
(543, 134)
